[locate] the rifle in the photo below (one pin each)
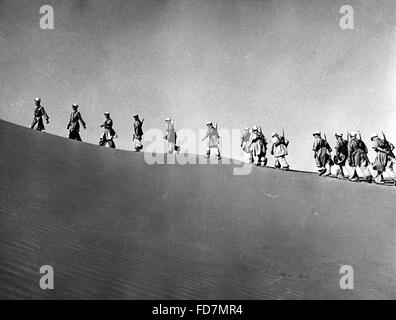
(388, 146)
(324, 135)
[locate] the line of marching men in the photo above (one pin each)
(352, 151)
(109, 134)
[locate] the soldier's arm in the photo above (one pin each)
(81, 120)
(45, 114)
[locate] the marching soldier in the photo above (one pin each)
(384, 158)
(74, 124)
(245, 138)
(279, 151)
(322, 154)
(138, 133)
(258, 146)
(213, 140)
(357, 158)
(341, 155)
(171, 136)
(109, 134)
(38, 114)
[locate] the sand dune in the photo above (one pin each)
(114, 227)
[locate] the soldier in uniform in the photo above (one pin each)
(383, 159)
(213, 140)
(258, 146)
(109, 134)
(322, 154)
(171, 136)
(38, 114)
(245, 138)
(74, 124)
(341, 155)
(138, 133)
(357, 158)
(279, 151)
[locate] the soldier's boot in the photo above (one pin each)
(321, 171)
(354, 176)
(207, 154)
(340, 173)
(328, 170)
(379, 179)
(369, 177)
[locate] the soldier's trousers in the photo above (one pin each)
(74, 135)
(103, 142)
(39, 122)
(281, 162)
(214, 147)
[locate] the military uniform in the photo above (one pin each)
(171, 136)
(213, 140)
(138, 133)
(279, 151)
(322, 151)
(38, 114)
(245, 139)
(74, 125)
(341, 155)
(383, 159)
(258, 147)
(358, 159)
(108, 134)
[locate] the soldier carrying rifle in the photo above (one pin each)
(279, 150)
(322, 154)
(340, 158)
(357, 158)
(258, 146)
(384, 158)
(213, 140)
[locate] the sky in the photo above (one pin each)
(283, 65)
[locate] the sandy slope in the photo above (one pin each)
(114, 227)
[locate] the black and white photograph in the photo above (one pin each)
(198, 150)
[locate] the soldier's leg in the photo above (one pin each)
(353, 174)
(111, 144)
(40, 124)
(283, 163)
(328, 169)
(218, 152)
(366, 171)
(34, 122)
(171, 147)
(392, 163)
(78, 138)
(207, 152)
(102, 142)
